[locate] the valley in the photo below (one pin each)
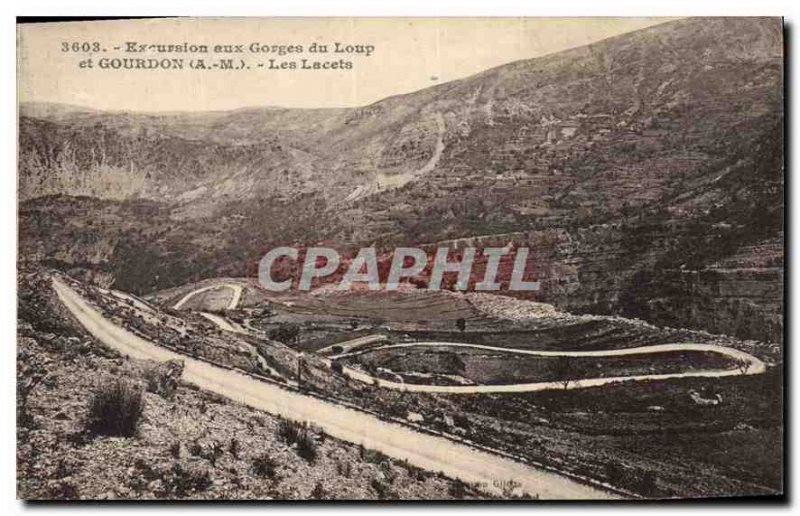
(646, 174)
(559, 414)
(643, 174)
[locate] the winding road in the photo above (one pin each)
(751, 365)
(352, 344)
(223, 323)
(429, 452)
(232, 304)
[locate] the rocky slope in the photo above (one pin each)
(188, 444)
(645, 170)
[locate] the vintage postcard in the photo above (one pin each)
(400, 259)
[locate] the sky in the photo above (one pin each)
(409, 54)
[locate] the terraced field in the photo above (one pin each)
(417, 306)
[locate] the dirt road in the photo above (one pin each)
(749, 365)
(426, 451)
(232, 304)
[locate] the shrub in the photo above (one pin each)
(388, 471)
(286, 333)
(371, 456)
(196, 449)
(214, 452)
(307, 447)
(319, 492)
(183, 481)
(289, 431)
(264, 466)
(457, 489)
(162, 379)
(344, 469)
(382, 487)
(297, 433)
(115, 410)
(64, 490)
(498, 166)
(175, 450)
(175, 481)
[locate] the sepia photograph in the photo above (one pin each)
(400, 259)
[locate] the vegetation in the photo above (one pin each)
(264, 466)
(298, 434)
(286, 333)
(115, 409)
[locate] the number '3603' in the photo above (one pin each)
(77, 46)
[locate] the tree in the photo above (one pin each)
(743, 365)
(461, 323)
(564, 370)
(286, 333)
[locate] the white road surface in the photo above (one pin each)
(223, 323)
(426, 451)
(754, 366)
(352, 344)
(232, 304)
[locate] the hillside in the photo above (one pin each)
(188, 444)
(646, 170)
(712, 429)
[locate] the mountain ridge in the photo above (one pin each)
(617, 160)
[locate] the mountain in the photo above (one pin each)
(645, 170)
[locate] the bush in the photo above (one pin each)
(184, 481)
(307, 447)
(344, 468)
(370, 456)
(162, 379)
(498, 166)
(115, 410)
(175, 450)
(64, 490)
(319, 492)
(387, 471)
(196, 449)
(264, 466)
(286, 333)
(289, 431)
(214, 452)
(457, 489)
(382, 487)
(297, 433)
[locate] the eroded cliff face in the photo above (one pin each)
(645, 170)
